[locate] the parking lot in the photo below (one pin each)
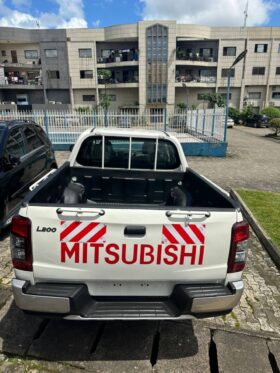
(248, 339)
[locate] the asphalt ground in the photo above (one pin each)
(246, 340)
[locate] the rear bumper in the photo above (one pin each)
(72, 301)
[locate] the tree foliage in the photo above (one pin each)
(271, 112)
(214, 99)
(234, 114)
(247, 113)
(181, 105)
(275, 125)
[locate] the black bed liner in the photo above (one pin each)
(112, 187)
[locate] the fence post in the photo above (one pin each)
(213, 121)
(106, 117)
(165, 119)
(196, 121)
(204, 119)
(46, 122)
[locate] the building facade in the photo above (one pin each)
(151, 64)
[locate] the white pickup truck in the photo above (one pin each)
(126, 230)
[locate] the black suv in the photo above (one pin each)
(258, 121)
(25, 156)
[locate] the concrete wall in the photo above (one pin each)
(189, 96)
(20, 49)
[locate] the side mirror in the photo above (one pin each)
(14, 160)
(10, 161)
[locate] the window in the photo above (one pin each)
(260, 48)
(225, 72)
(3, 53)
(167, 156)
(88, 98)
(156, 63)
(86, 74)
(258, 71)
(31, 55)
(51, 53)
(15, 144)
(85, 53)
(116, 152)
(32, 139)
(53, 74)
(90, 153)
(143, 153)
(229, 51)
(276, 95)
(255, 95)
(277, 70)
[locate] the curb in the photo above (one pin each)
(265, 240)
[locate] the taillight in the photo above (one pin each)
(239, 247)
(21, 249)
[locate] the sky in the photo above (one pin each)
(102, 13)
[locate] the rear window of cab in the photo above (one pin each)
(128, 153)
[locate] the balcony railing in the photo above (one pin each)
(120, 56)
(21, 82)
(195, 57)
(134, 79)
(195, 79)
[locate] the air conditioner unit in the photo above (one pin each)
(52, 102)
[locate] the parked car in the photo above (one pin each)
(230, 123)
(126, 230)
(258, 121)
(25, 156)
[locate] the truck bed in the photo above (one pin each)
(116, 187)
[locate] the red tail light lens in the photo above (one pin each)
(238, 247)
(21, 249)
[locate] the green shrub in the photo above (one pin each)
(181, 105)
(234, 114)
(247, 113)
(275, 125)
(271, 112)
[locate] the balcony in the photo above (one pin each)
(118, 57)
(120, 78)
(197, 53)
(20, 78)
(196, 78)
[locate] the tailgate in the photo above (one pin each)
(128, 251)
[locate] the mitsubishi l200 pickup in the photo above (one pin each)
(127, 230)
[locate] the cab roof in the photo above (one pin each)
(128, 132)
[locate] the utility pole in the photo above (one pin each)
(246, 14)
(238, 59)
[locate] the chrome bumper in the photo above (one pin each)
(216, 304)
(37, 303)
(71, 306)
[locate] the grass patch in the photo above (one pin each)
(265, 206)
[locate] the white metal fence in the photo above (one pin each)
(64, 127)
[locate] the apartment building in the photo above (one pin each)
(152, 64)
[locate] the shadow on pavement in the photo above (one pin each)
(60, 340)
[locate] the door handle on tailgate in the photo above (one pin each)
(135, 231)
(77, 212)
(188, 214)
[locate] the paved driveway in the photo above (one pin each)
(248, 339)
(253, 161)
